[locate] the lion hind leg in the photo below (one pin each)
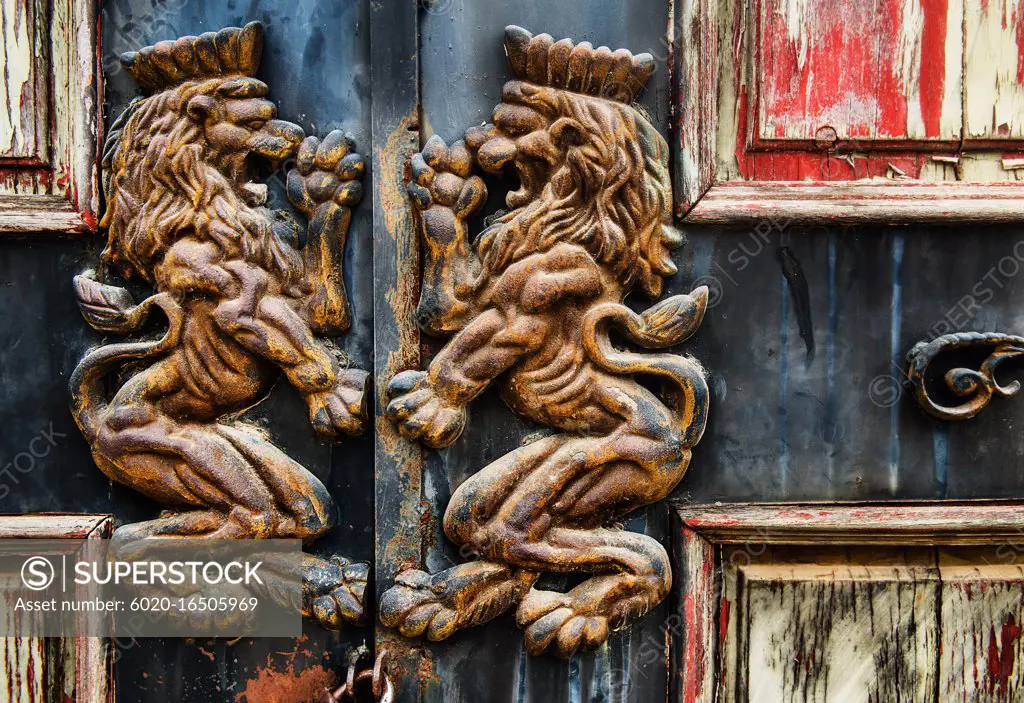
(438, 605)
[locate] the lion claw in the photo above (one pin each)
(341, 594)
(415, 609)
(341, 409)
(553, 626)
(420, 413)
(326, 171)
(441, 177)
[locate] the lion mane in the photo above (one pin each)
(162, 185)
(611, 194)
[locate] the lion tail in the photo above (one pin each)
(112, 309)
(669, 322)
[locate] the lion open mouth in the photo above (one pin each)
(498, 153)
(531, 180)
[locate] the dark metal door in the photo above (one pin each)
(827, 250)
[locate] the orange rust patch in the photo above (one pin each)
(272, 686)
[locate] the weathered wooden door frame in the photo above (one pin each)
(701, 531)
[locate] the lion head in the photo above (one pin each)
(593, 169)
(180, 162)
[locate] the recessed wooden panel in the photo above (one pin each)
(49, 116)
(860, 69)
(982, 624)
(850, 628)
(54, 669)
(884, 94)
(837, 603)
(24, 66)
(994, 60)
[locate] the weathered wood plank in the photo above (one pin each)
(398, 490)
(859, 202)
(893, 523)
(696, 598)
(56, 526)
(994, 96)
(835, 632)
(695, 102)
(982, 619)
(869, 69)
(23, 661)
(24, 65)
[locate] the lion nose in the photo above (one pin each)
(496, 153)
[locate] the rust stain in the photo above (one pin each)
(272, 686)
(402, 300)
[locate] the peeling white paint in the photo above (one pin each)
(995, 98)
(17, 138)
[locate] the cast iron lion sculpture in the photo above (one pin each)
(532, 300)
(244, 305)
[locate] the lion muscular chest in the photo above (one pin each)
(217, 368)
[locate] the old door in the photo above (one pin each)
(712, 471)
(845, 174)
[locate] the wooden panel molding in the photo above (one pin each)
(71, 669)
(783, 107)
(901, 601)
(50, 125)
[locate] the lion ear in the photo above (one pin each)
(566, 132)
(200, 107)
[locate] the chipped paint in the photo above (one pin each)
(17, 66)
(886, 77)
(995, 70)
(871, 70)
(49, 124)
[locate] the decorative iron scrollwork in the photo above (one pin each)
(244, 305)
(534, 299)
(977, 387)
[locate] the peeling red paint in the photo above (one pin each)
(723, 620)
(1001, 656)
(696, 597)
(933, 63)
(1020, 49)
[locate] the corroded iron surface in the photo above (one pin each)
(977, 387)
(244, 304)
(533, 299)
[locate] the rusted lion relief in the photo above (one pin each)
(976, 387)
(534, 299)
(243, 305)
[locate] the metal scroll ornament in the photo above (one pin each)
(533, 299)
(243, 307)
(977, 387)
